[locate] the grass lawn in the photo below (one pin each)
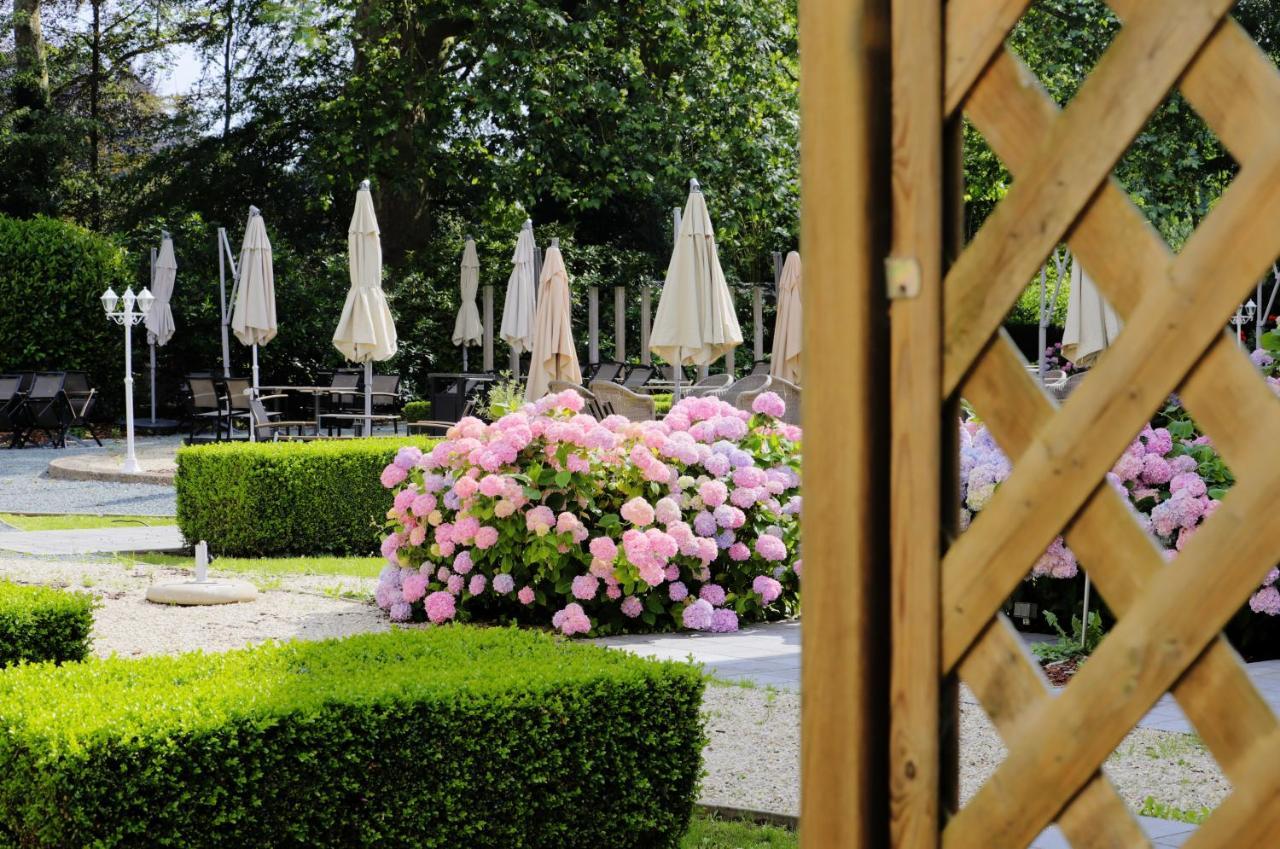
(709, 833)
(353, 567)
(71, 521)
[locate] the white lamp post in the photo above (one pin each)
(1243, 316)
(128, 316)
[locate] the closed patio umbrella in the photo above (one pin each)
(787, 330)
(159, 320)
(467, 330)
(554, 355)
(695, 323)
(1092, 324)
(366, 332)
(253, 316)
(519, 307)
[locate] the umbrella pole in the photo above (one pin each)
(675, 372)
(1044, 325)
(222, 301)
(369, 397)
(1084, 622)
(464, 359)
(153, 382)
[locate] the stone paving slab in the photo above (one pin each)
(25, 486)
(94, 540)
(1163, 834)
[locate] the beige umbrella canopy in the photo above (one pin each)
(253, 316)
(1092, 324)
(787, 331)
(159, 319)
(467, 329)
(366, 332)
(554, 355)
(695, 322)
(519, 306)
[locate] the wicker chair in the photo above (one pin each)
(707, 385)
(618, 400)
(750, 383)
(592, 408)
(785, 389)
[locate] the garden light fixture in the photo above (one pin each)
(128, 317)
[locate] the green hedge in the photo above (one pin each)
(38, 623)
(417, 411)
(453, 738)
(59, 271)
(298, 498)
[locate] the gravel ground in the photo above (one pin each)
(24, 488)
(752, 760)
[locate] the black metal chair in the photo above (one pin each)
(81, 398)
(204, 406)
(12, 396)
(46, 409)
(608, 370)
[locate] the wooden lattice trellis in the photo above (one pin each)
(1170, 616)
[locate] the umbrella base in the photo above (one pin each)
(152, 425)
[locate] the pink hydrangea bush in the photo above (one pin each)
(550, 516)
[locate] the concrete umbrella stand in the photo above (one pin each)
(202, 591)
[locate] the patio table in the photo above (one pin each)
(327, 420)
(316, 392)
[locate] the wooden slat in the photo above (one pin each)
(1249, 816)
(1122, 559)
(1008, 683)
(915, 454)
(1139, 659)
(975, 32)
(1170, 329)
(1092, 133)
(845, 203)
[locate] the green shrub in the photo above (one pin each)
(38, 623)
(447, 737)
(273, 498)
(63, 270)
(417, 411)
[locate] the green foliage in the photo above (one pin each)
(416, 411)
(448, 737)
(1153, 807)
(51, 276)
(1073, 646)
(711, 833)
(286, 498)
(39, 623)
(505, 396)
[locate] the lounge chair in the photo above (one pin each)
(615, 399)
(11, 398)
(46, 409)
(608, 370)
(80, 398)
(637, 376)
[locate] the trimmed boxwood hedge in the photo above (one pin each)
(39, 623)
(296, 498)
(451, 737)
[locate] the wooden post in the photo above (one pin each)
(845, 198)
(757, 321)
(646, 319)
(915, 502)
(593, 324)
(620, 323)
(488, 328)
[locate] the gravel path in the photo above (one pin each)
(752, 760)
(24, 488)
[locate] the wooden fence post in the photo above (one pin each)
(844, 96)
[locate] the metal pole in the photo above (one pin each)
(620, 323)
(593, 325)
(646, 319)
(757, 318)
(1043, 333)
(1084, 623)
(1257, 325)
(464, 359)
(488, 328)
(675, 367)
(222, 300)
(368, 396)
(130, 458)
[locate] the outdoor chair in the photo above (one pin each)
(618, 400)
(750, 383)
(592, 407)
(708, 384)
(759, 367)
(267, 427)
(235, 401)
(386, 397)
(784, 389)
(638, 376)
(45, 409)
(204, 406)
(80, 399)
(342, 402)
(608, 370)
(11, 398)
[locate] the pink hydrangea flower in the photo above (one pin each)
(393, 476)
(677, 591)
(713, 594)
(638, 512)
(492, 485)
(440, 607)
(477, 585)
(455, 584)
(666, 511)
(423, 504)
(571, 620)
(738, 552)
(723, 621)
(503, 583)
(769, 404)
(631, 607)
(604, 549)
(486, 537)
(697, 616)
(407, 457)
(713, 493)
(1266, 600)
(540, 520)
(526, 595)
(767, 588)
(462, 564)
(771, 548)
(585, 587)
(415, 587)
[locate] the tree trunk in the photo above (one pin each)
(95, 109)
(31, 82)
(226, 68)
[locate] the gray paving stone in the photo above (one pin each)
(94, 540)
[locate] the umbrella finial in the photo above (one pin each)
(469, 239)
(694, 185)
(555, 242)
(164, 234)
(364, 185)
(253, 210)
(528, 224)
